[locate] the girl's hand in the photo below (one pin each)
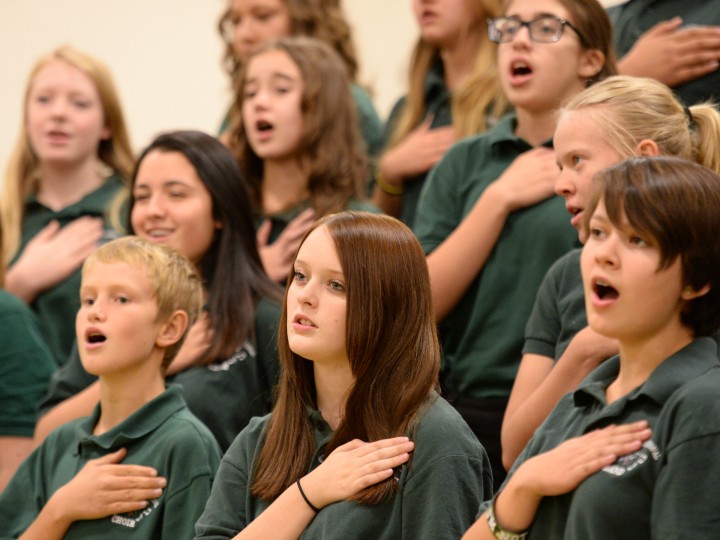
(591, 349)
(194, 347)
(529, 179)
(417, 153)
(277, 257)
(352, 467)
(104, 487)
(52, 255)
(562, 469)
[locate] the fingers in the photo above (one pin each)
(263, 233)
(114, 457)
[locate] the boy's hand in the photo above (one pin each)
(103, 487)
(354, 466)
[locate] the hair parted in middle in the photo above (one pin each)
(391, 343)
(331, 144)
(677, 204)
(175, 282)
(231, 268)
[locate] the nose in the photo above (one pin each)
(605, 252)
(155, 206)
(564, 186)
(245, 30)
(59, 107)
(521, 36)
(95, 312)
(307, 294)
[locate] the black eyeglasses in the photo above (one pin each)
(545, 29)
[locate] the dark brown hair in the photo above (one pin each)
(677, 203)
(391, 343)
(331, 142)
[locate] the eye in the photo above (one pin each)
(336, 285)
(175, 194)
(122, 299)
(42, 99)
(87, 301)
(81, 103)
(299, 276)
(597, 233)
(638, 241)
(264, 16)
(575, 159)
(141, 197)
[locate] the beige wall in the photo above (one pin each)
(165, 56)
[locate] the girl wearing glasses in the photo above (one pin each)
(453, 91)
(617, 118)
(626, 455)
(487, 218)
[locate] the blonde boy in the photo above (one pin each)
(141, 461)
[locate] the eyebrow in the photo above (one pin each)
(330, 270)
(165, 183)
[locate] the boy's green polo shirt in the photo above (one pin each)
(225, 394)
(634, 18)
(438, 107)
(56, 307)
(162, 434)
(670, 488)
(482, 337)
(436, 498)
(559, 310)
(26, 366)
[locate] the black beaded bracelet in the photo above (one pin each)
(311, 505)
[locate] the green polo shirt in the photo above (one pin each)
(482, 337)
(635, 17)
(56, 307)
(437, 106)
(225, 394)
(670, 488)
(437, 494)
(162, 434)
(26, 365)
(282, 219)
(559, 310)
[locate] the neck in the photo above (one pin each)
(332, 385)
(62, 185)
(535, 127)
(459, 60)
(640, 357)
(284, 184)
(123, 394)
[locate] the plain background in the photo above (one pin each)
(165, 56)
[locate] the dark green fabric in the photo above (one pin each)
(438, 107)
(56, 307)
(559, 310)
(482, 337)
(224, 394)
(162, 434)
(26, 366)
(437, 494)
(670, 488)
(635, 17)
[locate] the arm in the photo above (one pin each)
(102, 487)
(13, 451)
(557, 472)
(539, 385)
(77, 406)
(461, 256)
(673, 55)
(52, 255)
(417, 153)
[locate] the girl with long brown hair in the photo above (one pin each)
(359, 443)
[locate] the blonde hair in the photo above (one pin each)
(175, 282)
(631, 109)
(478, 98)
(22, 171)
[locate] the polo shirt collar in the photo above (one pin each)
(504, 133)
(142, 422)
(686, 364)
(435, 88)
(94, 202)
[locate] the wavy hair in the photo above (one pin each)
(391, 343)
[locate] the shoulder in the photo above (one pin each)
(248, 443)
(267, 312)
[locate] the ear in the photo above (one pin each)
(591, 63)
(106, 133)
(218, 224)
(173, 329)
(688, 293)
(647, 148)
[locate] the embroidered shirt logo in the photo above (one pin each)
(625, 464)
(131, 519)
(240, 355)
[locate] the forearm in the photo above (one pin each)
(51, 523)
(16, 282)
(389, 204)
(515, 510)
(13, 451)
(286, 518)
(455, 263)
(79, 405)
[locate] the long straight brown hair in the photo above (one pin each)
(391, 343)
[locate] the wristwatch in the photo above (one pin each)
(498, 531)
